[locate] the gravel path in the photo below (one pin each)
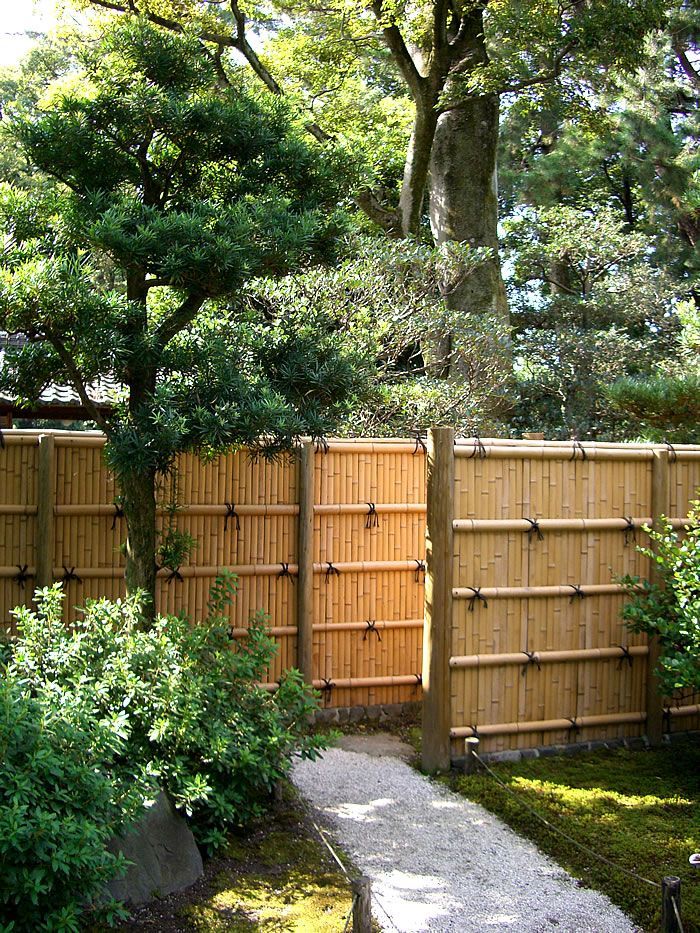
(440, 862)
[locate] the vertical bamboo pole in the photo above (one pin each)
(45, 511)
(659, 507)
(437, 626)
(305, 560)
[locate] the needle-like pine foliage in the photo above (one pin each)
(171, 194)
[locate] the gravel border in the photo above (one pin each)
(440, 862)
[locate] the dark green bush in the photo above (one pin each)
(57, 811)
(671, 610)
(182, 697)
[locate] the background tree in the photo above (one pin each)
(172, 193)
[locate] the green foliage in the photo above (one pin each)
(58, 808)
(671, 609)
(182, 698)
(587, 307)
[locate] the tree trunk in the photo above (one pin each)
(464, 208)
(417, 165)
(139, 491)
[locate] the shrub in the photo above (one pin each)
(183, 697)
(671, 610)
(57, 811)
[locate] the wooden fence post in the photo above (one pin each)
(671, 904)
(362, 910)
(46, 500)
(305, 561)
(437, 625)
(660, 505)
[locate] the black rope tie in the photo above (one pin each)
(532, 658)
(479, 450)
(231, 513)
(477, 595)
(118, 513)
(321, 445)
(327, 685)
(175, 575)
(371, 627)
(420, 445)
(69, 575)
(630, 531)
(475, 730)
(672, 453)
(419, 681)
(331, 570)
(578, 446)
(372, 520)
(577, 592)
(625, 656)
(420, 568)
(285, 572)
(534, 529)
(574, 727)
(22, 576)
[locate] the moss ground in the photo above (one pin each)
(639, 809)
(280, 877)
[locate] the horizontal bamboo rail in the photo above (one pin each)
(537, 592)
(547, 725)
(569, 444)
(223, 510)
(6, 509)
(274, 630)
(370, 625)
(368, 566)
(693, 710)
(347, 683)
(549, 657)
(482, 525)
(501, 452)
(373, 447)
(7, 573)
(241, 570)
(352, 508)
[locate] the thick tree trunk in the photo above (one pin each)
(417, 165)
(139, 491)
(464, 208)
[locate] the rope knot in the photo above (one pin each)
(578, 448)
(321, 445)
(285, 572)
(175, 575)
(630, 531)
(231, 513)
(372, 520)
(420, 445)
(625, 656)
(420, 568)
(479, 450)
(371, 627)
(672, 453)
(477, 596)
(69, 575)
(534, 529)
(331, 571)
(578, 592)
(22, 576)
(118, 513)
(532, 658)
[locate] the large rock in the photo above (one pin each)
(164, 854)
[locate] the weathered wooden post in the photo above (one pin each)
(471, 750)
(305, 562)
(671, 905)
(46, 486)
(437, 624)
(362, 911)
(660, 505)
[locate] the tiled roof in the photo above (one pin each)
(103, 392)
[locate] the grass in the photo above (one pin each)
(279, 877)
(639, 809)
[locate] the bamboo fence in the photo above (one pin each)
(330, 543)
(524, 645)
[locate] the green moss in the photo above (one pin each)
(640, 810)
(280, 878)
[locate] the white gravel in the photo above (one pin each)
(440, 862)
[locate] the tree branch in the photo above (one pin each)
(690, 71)
(388, 220)
(399, 50)
(78, 383)
(179, 319)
